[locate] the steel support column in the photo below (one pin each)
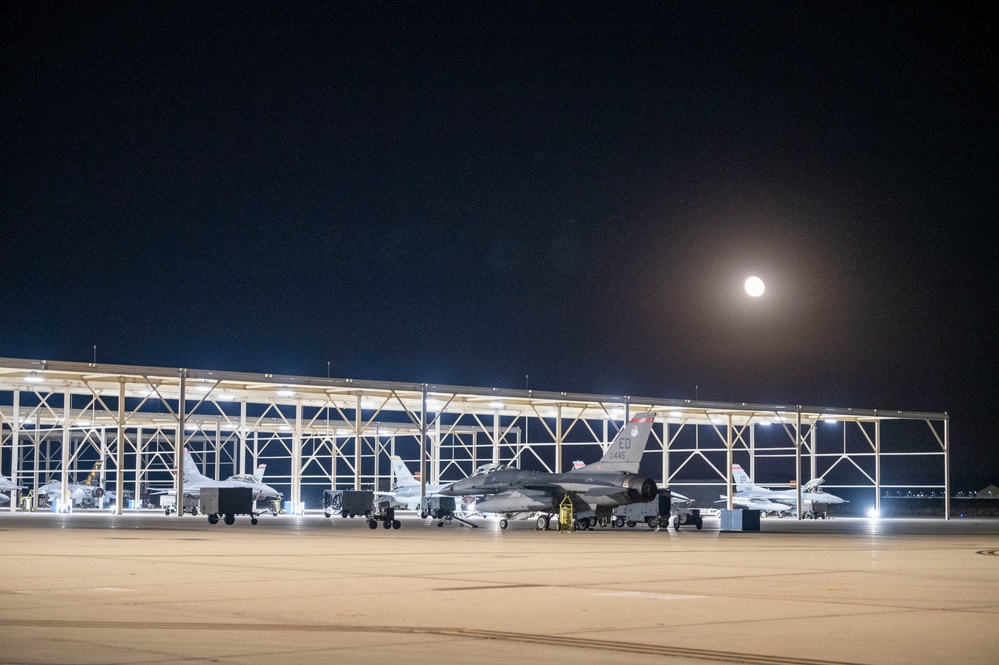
(435, 458)
(296, 458)
(665, 451)
(496, 431)
(728, 462)
(179, 444)
(15, 446)
(120, 475)
(423, 444)
(813, 439)
(797, 460)
(946, 447)
(357, 443)
(242, 436)
(558, 439)
(139, 465)
(877, 467)
(64, 453)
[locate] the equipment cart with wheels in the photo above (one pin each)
(348, 503)
(386, 517)
(226, 503)
(655, 513)
(441, 508)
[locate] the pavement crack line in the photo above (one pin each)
(459, 633)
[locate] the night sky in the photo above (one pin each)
(469, 193)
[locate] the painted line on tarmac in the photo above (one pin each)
(466, 633)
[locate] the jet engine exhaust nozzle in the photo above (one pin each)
(645, 493)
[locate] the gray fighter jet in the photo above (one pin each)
(594, 489)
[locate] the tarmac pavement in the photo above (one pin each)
(146, 588)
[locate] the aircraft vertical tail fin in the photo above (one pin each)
(741, 479)
(191, 472)
(403, 476)
(625, 452)
(259, 475)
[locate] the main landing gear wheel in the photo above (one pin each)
(543, 522)
(504, 523)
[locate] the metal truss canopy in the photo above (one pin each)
(316, 425)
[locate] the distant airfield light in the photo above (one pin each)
(754, 286)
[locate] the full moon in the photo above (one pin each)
(754, 286)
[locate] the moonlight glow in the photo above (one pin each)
(754, 286)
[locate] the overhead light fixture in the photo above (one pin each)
(831, 420)
(496, 405)
(201, 389)
(284, 392)
(676, 414)
(33, 378)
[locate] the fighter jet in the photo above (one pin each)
(6, 484)
(194, 481)
(407, 488)
(88, 494)
(594, 489)
(781, 502)
(84, 495)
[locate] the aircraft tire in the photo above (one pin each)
(503, 523)
(542, 523)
